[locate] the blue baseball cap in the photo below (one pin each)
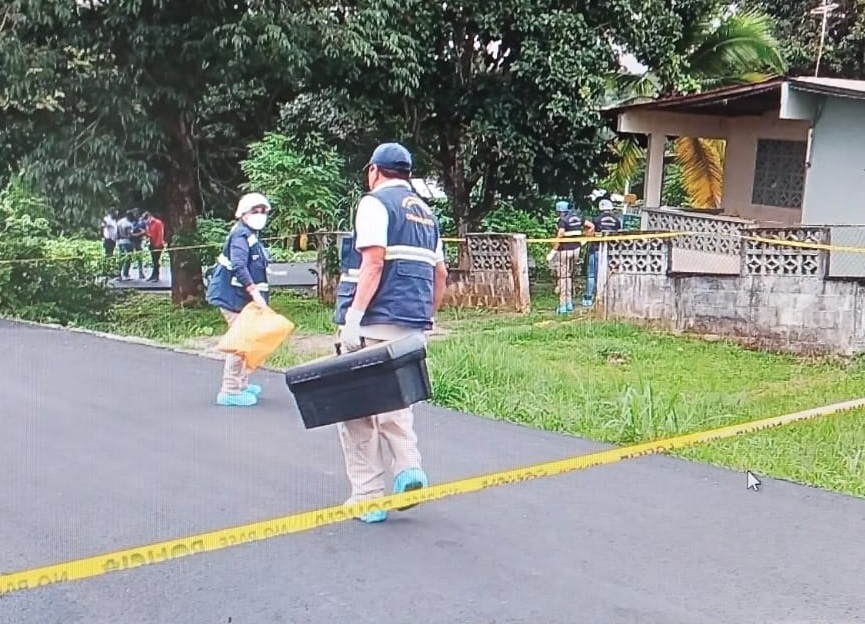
(391, 156)
(562, 206)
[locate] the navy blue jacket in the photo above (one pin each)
(405, 293)
(243, 261)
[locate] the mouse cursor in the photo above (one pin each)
(753, 482)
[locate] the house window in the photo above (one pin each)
(779, 174)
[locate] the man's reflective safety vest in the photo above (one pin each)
(405, 293)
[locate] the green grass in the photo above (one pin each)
(610, 382)
(152, 316)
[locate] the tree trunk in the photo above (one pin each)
(457, 188)
(182, 206)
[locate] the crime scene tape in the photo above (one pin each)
(531, 241)
(803, 244)
(170, 550)
(166, 249)
(595, 239)
(169, 249)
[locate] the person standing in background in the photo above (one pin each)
(156, 241)
(139, 230)
(125, 228)
(109, 232)
(605, 222)
(564, 256)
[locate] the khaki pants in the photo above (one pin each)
(566, 259)
(362, 446)
(235, 377)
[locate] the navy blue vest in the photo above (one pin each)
(605, 222)
(405, 293)
(572, 224)
(224, 289)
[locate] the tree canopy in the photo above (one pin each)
(106, 102)
(152, 99)
(496, 98)
(798, 30)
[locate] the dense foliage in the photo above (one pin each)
(180, 105)
(40, 277)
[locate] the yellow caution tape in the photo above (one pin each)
(161, 552)
(570, 239)
(803, 244)
(117, 257)
(598, 239)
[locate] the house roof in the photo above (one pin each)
(830, 86)
(747, 99)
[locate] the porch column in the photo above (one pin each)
(740, 156)
(655, 169)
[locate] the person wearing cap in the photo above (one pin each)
(606, 222)
(240, 277)
(392, 282)
(563, 256)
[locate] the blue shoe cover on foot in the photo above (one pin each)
(253, 390)
(408, 480)
(374, 516)
(242, 399)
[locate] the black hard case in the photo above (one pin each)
(381, 378)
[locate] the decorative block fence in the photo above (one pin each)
(492, 272)
(779, 297)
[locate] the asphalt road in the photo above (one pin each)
(106, 445)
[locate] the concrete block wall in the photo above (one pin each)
(497, 276)
(797, 314)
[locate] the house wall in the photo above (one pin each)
(836, 176)
(740, 164)
(741, 135)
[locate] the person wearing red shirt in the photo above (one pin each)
(156, 236)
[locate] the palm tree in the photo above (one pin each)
(726, 47)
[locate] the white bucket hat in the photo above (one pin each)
(250, 201)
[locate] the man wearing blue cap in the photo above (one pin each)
(392, 282)
(563, 256)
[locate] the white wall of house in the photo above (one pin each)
(836, 176)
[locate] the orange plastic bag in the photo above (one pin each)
(255, 334)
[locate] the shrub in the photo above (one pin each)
(46, 279)
(302, 180)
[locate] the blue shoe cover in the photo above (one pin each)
(563, 309)
(408, 480)
(374, 516)
(242, 399)
(253, 390)
(570, 307)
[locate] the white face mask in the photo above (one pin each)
(256, 221)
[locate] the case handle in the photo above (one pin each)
(338, 345)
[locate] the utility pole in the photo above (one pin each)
(825, 9)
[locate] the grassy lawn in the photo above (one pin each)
(606, 381)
